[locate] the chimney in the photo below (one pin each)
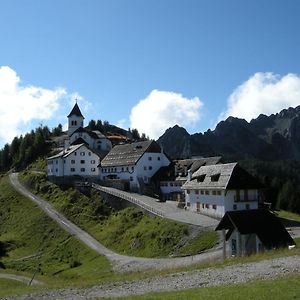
(189, 175)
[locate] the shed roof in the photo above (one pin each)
(262, 222)
(129, 154)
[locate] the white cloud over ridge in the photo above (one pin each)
(263, 93)
(19, 105)
(161, 110)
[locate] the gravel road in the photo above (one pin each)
(121, 263)
(178, 281)
(20, 278)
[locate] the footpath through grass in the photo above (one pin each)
(30, 242)
(275, 289)
(129, 231)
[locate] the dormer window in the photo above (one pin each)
(215, 177)
(201, 178)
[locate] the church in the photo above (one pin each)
(83, 150)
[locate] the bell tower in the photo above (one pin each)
(75, 119)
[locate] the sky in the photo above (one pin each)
(146, 64)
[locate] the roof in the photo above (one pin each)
(93, 134)
(262, 222)
(75, 111)
(69, 150)
(194, 164)
(129, 154)
(222, 176)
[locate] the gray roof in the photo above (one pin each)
(129, 154)
(93, 134)
(222, 176)
(69, 150)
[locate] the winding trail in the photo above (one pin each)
(20, 278)
(120, 263)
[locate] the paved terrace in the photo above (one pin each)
(167, 209)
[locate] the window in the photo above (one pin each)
(207, 206)
(131, 178)
(72, 161)
(206, 192)
(64, 161)
(215, 177)
(127, 169)
(150, 168)
(132, 168)
(82, 161)
(202, 192)
(214, 206)
(90, 153)
(188, 204)
(145, 168)
(214, 193)
(158, 158)
(72, 169)
(245, 195)
(56, 161)
(219, 193)
(93, 162)
(197, 192)
(75, 153)
(149, 158)
(247, 206)
(234, 207)
(201, 178)
(56, 170)
(82, 170)
(187, 191)
(93, 169)
(82, 153)
(171, 183)
(237, 196)
(122, 169)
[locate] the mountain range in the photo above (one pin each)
(269, 138)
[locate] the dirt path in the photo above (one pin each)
(120, 263)
(23, 279)
(179, 281)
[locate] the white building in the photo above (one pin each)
(171, 178)
(134, 163)
(78, 134)
(214, 190)
(77, 160)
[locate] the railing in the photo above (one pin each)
(124, 196)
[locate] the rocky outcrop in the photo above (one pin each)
(267, 137)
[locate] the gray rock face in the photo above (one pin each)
(271, 137)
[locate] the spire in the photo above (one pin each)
(76, 111)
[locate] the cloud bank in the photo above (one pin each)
(19, 105)
(263, 93)
(161, 110)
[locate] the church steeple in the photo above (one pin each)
(75, 119)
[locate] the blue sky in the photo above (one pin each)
(146, 64)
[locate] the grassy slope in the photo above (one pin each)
(288, 215)
(276, 289)
(128, 231)
(31, 241)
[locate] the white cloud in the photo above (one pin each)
(263, 93)
(161, 110)
(19, 105)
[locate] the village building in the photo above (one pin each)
(251, 231)
(83, 149)
(77, 134)
(170, 179)
(76, 160)
(215, 189)
(133, 164)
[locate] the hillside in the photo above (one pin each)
(274, 137)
